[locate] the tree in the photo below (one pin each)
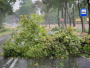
(74, 13)
(68, 3)
(59, 4)
(80, 5)
(27, 8)
(5, 8)
(53, 4)
(69, 15)
(65, 13)
(46, 15)
(86, 2)
(44, 9)
(89, 14)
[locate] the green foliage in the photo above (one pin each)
(53, 17)
(70, 29)
(28, 37)
(86, 47)
(5, 7)
(61, 64)
(26, 8)
(2, 29)
(69, 37)
(79, 30)
(32, 41)
(87, 38)
(1, 54)
(35, 51)
(86, 30)
(56, 29)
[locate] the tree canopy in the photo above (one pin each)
(5, 8)
(27, 7)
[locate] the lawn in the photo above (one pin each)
(8, 30)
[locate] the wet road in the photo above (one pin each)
(78, 62)
(2, 40)
(73, 62)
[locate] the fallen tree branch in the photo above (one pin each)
(77, 47)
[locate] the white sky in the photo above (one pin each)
(16, 5)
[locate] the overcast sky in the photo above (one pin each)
(16, 5)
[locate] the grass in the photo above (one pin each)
(86, 30)
(80, 33)
(6, 33)
(80, 30)
(10, 30)
(9, 26)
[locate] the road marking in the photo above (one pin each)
(12, 65)
(8, 62)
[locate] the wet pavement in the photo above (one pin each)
(2, 62)
(2, 40)
(73, 62)
(78, 62)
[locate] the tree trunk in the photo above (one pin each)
(45, 20)
(82, 24)
(89, 15)
(70, 21)
(74, 14)
(80, 16)
(69, 16)
(49, 20)
(45, 23)
(66, 14)
(0, 18)
(62, 18)
(58, 18)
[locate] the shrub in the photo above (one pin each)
(56, 29)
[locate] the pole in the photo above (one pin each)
(83, 26)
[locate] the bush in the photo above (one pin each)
(56, 29)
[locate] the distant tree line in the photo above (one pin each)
(63, 6)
